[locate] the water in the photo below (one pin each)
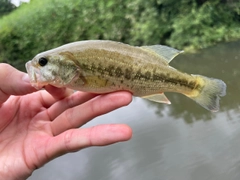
(181, 141)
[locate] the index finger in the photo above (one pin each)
(58, 93)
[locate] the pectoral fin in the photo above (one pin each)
(160, 98)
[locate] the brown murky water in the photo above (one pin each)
(181, 141)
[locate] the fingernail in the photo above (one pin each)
(26, 78)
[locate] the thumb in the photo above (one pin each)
(13, 82)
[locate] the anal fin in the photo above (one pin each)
(160, 98)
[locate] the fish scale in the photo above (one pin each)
(142, 78)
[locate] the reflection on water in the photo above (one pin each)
(181, 141)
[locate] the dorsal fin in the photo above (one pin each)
(165, 52)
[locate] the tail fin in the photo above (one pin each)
(211, 92)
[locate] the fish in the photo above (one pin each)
(104, 66)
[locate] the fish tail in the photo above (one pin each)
(210, 91)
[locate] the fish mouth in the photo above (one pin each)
(34, 75)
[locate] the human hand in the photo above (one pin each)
(38, 126)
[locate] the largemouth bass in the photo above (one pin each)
(99, 66)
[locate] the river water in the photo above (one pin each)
(181, 141)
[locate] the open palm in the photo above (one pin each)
(36, 127)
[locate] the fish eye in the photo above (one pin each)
(42, 61)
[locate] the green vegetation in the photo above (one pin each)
(183, 24)
(6, 7)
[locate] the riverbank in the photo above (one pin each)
(188, 25)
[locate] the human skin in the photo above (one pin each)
(38, 126)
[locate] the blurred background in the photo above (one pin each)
(181, 141)
(37, 26)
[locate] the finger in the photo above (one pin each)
(58, 93)
(74, 140)
(77, 116)
(74, 100)
(51, 95)
(13, 82)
